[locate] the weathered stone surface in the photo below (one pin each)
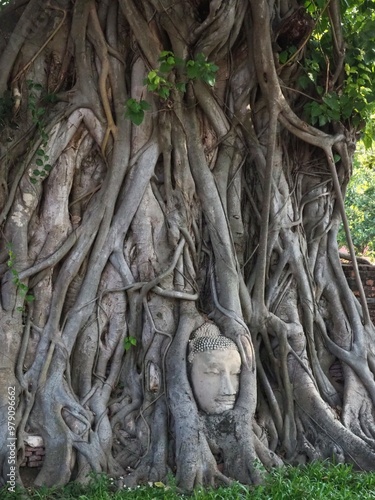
(34, 441)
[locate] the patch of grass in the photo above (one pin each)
(315, 481)
(318, 480)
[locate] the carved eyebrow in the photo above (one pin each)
(219, 366)
(213, 365)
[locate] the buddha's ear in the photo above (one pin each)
(247, 352)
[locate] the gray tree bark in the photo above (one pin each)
(223, 203)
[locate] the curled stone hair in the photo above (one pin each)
(208, 338)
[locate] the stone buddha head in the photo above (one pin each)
(215, 366)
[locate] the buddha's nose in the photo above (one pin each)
(227, 385)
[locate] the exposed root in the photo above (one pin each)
(222, 204)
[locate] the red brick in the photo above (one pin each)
(34, 464)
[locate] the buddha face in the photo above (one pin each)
(215, 379)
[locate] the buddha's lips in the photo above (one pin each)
(228, 400)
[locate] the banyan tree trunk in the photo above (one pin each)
(118, 240)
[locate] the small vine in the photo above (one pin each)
(37, 114)
(21, 287)
(158, 82)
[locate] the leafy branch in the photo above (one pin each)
(354, 98)
(159, 81)
(200, 69)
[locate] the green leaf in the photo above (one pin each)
(304, 82)
(29, 298)
(322, 120)
(210, 79)
(181, 87)
(164, 92)
(199, 68)
(36, 172)
(152, 75)
(336, 158)
(200, 58)
(135, 110)
(316, 109)
(47, 167)
(151, 86)
(40, 152)
(129, 342)
(135, 117)
(334, 115)
(132, 104)
(192, 71)
(332, 101)
(165, 67)
(33, 180)
(144, 105)
(164, 54)
(39, 162)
